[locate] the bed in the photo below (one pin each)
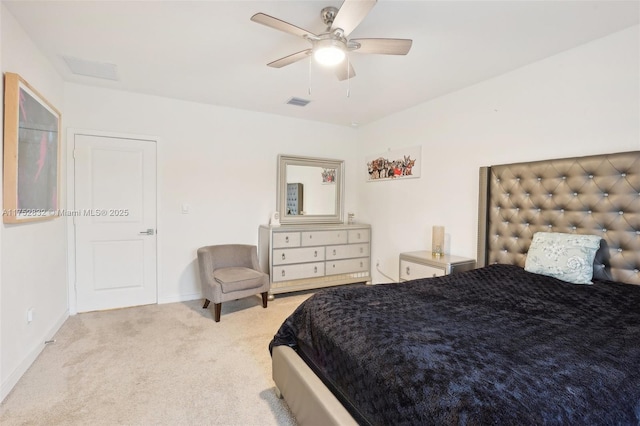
(519, 340)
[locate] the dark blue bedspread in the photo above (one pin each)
(496, 345)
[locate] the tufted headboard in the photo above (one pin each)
(597, 195)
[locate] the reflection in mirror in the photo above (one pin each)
(295, 197)
(310, 189)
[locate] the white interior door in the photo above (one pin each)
(115, 222)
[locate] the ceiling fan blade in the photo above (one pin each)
(342, 74)
(280, 25)
(288, 60)
(351, 13)
(383, 46)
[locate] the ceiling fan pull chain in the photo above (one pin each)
(348, 77)
(309, 75)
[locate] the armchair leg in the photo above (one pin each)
(217, 309)
(264, 299)
(206, 304)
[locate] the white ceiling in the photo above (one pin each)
(210, 52)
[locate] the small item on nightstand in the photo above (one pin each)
(437, 241)
(350, 218)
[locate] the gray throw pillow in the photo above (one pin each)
(568, 257)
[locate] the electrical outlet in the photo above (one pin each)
(29, 315)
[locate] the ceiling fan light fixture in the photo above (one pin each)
(329, 52)
(332, 46)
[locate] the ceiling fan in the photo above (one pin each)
(331, 47)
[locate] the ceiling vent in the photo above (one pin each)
(298, 102)
(102, 70)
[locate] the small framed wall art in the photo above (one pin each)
(31, 153)
(394, 164)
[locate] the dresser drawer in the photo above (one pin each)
(347, 266)
(359, 236)
(296, 272)
(322, 238)
(298, 255)
(413, 271)
(286, 239)
(347, 251)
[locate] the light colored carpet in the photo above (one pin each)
(165, 364)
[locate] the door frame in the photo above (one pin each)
(70, 205)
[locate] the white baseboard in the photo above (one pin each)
(22, 368)
(175, 298)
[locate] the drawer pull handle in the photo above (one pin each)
(310, 236)
(361, 265)
(315, 269)
(361, 250)
(282, 256)
(358, 235)
(286, 239)
(334, 252)
(408, 271)
(315, 253)
(283, 272)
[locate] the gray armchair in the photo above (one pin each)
(230, 272)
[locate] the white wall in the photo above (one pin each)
(33, 261)
(580, 102)
(220, 161)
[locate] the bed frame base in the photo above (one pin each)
(310, 401)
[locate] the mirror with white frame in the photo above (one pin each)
(310, 190)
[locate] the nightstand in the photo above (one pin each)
(424, 264)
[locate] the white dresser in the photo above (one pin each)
(301, 257)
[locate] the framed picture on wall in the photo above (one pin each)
(31, 153)
(394, 165)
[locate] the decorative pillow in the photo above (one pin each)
(568, 257)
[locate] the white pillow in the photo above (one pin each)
(568, 257)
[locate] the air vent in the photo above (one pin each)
(298, 102)
(102, 70)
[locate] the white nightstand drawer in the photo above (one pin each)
(347, 251)
(298, 255)
(321, 238)
(299, 271)
(347, 266)
(413, 271)
(359, 236)
(286, 239)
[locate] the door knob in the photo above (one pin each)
(149, 231)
